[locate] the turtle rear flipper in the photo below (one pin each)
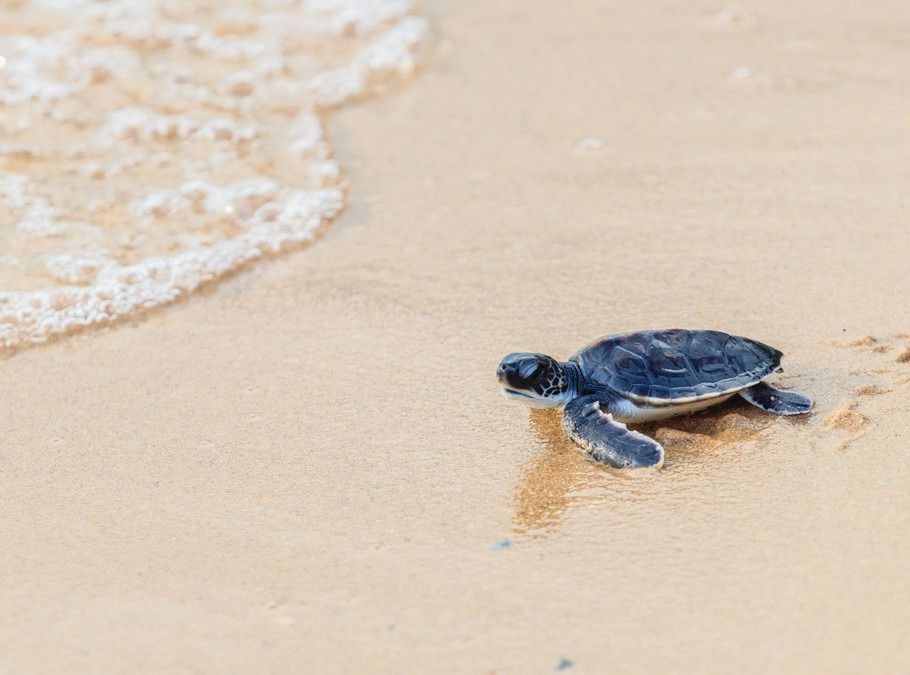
(777, 401)
(606, 440)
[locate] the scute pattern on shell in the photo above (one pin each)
(677, 365)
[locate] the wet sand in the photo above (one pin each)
(310, 467)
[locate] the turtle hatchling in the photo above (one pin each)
(641, 377)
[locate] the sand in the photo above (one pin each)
(310, 468)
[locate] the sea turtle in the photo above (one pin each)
(642, 377)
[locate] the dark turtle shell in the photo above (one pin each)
(662, 367)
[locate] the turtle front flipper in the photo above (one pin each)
(587, 421)
(777, 401)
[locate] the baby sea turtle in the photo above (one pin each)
(642, 377)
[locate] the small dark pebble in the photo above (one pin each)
(564, 664)
(503, 543)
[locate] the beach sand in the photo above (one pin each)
(309, 467)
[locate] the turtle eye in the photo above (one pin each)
(529, 369)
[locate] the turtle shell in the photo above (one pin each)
(662, 367)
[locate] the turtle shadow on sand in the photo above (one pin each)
(553, 478)
(561, 476)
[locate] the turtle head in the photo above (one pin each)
(536, 380)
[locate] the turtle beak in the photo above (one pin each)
(503, 373)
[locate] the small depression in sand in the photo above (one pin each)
(870, 390)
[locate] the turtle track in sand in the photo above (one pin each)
(883, 374)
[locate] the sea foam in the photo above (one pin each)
(148, 147)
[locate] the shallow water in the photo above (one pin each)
(151, 146)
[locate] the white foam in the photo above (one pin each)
(143, 125)
(193, 142)
(308, 139)
(13, 191)
(391, 52)
(81, 270)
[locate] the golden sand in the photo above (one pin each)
(310, 467)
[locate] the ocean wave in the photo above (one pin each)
(148, 147)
